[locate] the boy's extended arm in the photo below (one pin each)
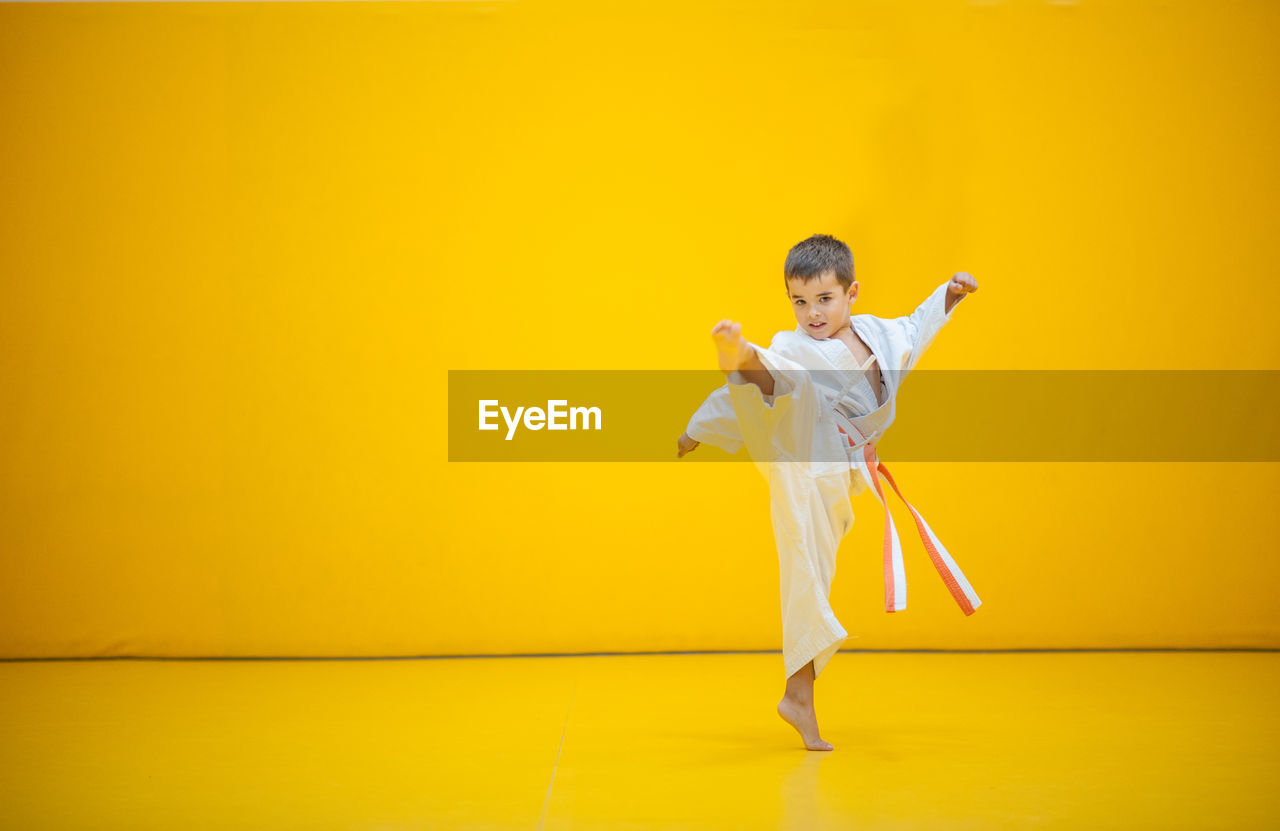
(922, 326)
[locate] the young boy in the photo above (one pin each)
(810, 410)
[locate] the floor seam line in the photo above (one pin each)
(564, 728)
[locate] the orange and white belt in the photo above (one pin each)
(895, 576)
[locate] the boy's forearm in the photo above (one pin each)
(952, 299)
(754, 370)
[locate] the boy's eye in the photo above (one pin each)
(799, 302)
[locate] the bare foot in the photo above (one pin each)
(732, 349)
(803, 718)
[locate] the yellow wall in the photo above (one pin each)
(241, 245)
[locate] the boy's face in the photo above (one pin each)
(821, 305)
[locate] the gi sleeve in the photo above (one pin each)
(716, 423)
(782, 367)
(921, 326)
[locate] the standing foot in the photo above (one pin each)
(802, 717)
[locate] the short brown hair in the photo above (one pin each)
(820, 253)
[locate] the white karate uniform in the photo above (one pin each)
(814, 440)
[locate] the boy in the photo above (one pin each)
(810, 409)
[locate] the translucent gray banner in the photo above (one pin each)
(941, 415)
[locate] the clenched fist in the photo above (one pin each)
(684, 444)
(962, 283)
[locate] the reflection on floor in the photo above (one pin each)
(1125, 740)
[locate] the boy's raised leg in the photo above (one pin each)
(796, 708)
(735, 353)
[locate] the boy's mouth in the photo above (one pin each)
(816, 325)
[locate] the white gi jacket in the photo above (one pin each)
(814, 442)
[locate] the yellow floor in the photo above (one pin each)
(923, 741)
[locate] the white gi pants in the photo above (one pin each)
(815, 460)
(795, 445)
